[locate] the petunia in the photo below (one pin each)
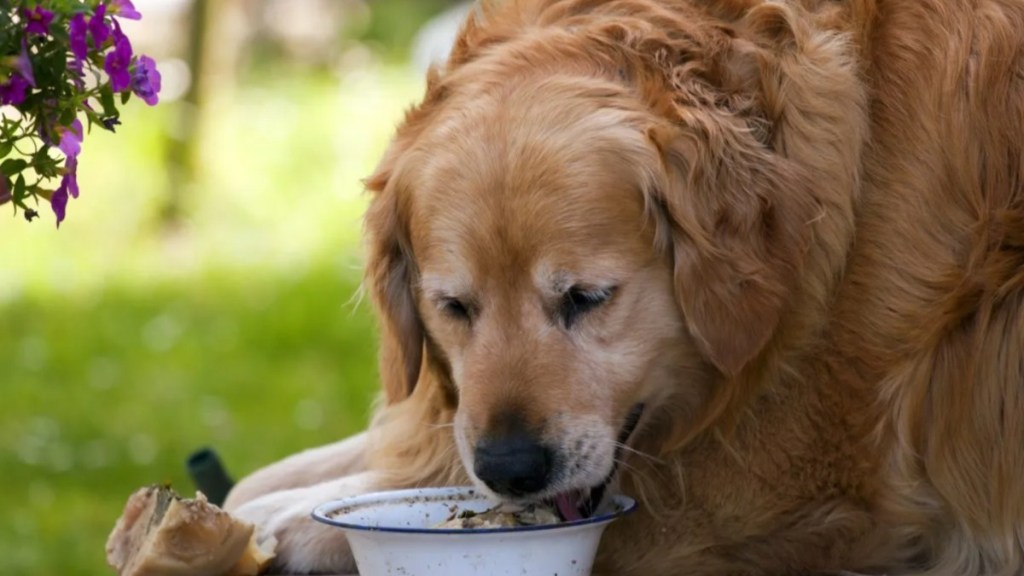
(124, 9)
(68, 187)
(78, 30)
(98, 26)
(70, 178)
(23, 64)
(117, 64)
(59, 202)
(146, 80)
(70, 138)
(37, 20)
(13, 91)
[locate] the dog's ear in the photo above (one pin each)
(738, 219)
(391, 272)
(390, 276)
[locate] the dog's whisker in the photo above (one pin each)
(640, 475)
(640, 453)
(625, 466)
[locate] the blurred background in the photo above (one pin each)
(203, 290)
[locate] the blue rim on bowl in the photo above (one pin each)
(623, 505)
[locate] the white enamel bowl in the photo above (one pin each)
(391, 533)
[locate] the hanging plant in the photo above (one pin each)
(61, 62)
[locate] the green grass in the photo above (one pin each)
(123, 347)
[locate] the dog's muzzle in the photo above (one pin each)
(583, 503)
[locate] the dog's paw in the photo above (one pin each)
(304, 546)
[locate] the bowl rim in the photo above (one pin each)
(625, 506)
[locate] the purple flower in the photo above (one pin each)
(68, 186)
(59, 202)
(70, 138)
(13, 91)
(24, 65)
(37, 20)
(70, 179)
(146, 80)
(77, 31)
(117, 64)
(98, 26)
(124, 9)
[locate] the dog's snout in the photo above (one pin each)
(513, 465)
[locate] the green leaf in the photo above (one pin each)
(125, 96)
(46, 169)
(5, 149)
(67, 117)
(40, 155)
(19, 188)
(9, 126)
(13, 166)
(107, 101)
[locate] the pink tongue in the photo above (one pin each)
(566, 504)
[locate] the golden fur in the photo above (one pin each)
(813, 216)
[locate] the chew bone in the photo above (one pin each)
(161, 534)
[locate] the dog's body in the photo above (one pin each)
(791, 232)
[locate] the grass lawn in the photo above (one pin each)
(123, 348)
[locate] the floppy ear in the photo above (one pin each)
(390, 276)
(739, 219)
(391, 270)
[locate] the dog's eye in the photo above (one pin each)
(456, 308)
(577, 301)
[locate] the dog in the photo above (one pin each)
(758, 264)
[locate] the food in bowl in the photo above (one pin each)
(501, 516)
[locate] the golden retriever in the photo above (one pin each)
(759, 264)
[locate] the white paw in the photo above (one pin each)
(304, 545)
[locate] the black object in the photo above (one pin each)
(209, 476)
(515, 465)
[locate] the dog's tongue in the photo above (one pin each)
(568, 505)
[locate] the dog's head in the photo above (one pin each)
(569, 246)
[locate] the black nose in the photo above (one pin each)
(512, 465)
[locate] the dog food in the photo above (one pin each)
(501, 517)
